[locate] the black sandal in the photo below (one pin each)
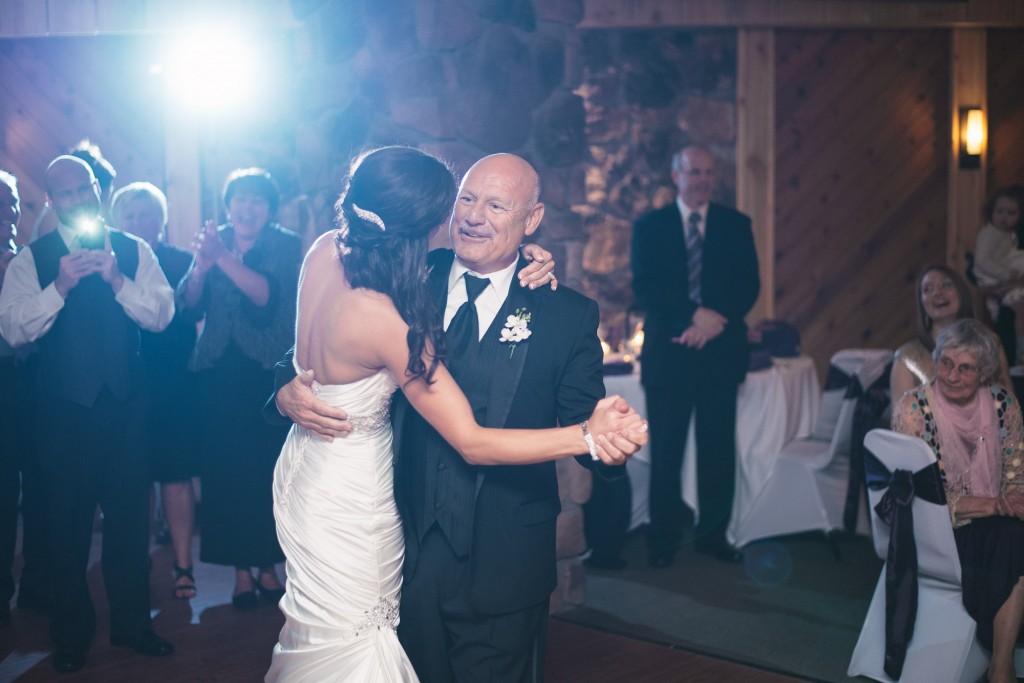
(178, 590)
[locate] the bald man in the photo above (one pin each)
(82, 293)
(480, 541)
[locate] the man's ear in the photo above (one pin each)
(534, 218)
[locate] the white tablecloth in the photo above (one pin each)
(773, 407)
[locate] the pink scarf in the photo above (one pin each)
(971, 446)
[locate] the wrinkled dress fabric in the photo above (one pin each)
(341, 533)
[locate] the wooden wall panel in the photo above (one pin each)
(861, 163)
(56, 91)
(1005, 107)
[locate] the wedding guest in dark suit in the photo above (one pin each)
(480, 541)
(20, 478)
(141, 210)
(695, 276)
(83, 292)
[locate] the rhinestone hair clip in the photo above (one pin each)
(369, 217)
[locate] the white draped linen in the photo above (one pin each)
(773, 407)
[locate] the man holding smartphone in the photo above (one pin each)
(82, 293)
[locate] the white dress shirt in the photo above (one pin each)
(490, 301)
(27, 312)
(685, 212)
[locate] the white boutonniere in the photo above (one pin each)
(516, 329)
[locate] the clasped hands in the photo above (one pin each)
(618, 429)
(1010, 504)
(705, 325)
(85, 262)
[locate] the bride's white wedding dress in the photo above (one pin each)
(342, 536)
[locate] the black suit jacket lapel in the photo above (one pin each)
(509, 366)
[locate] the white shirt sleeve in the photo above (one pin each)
(990, 257)
(26, 311)
(148, 299)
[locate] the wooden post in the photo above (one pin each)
(966, 185)
(755, 153)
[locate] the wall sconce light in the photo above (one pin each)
(972, 137)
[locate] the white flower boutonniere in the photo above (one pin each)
(516, 329)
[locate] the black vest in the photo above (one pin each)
(447, 494)
(93, 343)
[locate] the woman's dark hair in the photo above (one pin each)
(410, 192)
(1014, 192)
(924, 323)
(252, 181)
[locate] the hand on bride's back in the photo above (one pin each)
(297, 400)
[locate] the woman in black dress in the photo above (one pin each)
(243, 282)
(141, 209)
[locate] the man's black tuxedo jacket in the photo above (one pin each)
(729, 285)
(553, 378)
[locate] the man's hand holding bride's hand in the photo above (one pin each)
(541, 270)
(618, 430)
(297, 400)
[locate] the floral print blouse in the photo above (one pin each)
(913, 416)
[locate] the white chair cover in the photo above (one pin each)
(943, 647)
(806, 489)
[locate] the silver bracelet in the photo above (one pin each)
(589, 439)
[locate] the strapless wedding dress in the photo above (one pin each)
(342, 536)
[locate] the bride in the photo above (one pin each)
(366, 327)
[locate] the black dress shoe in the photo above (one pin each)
(271, 595)
(245, 602)
(146, 643)
(69, 658)
(720, 550)
(661, 559)
(607, 563)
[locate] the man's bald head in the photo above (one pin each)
(497, 206)
(72, 190)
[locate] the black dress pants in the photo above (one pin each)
(448, 640)
(668, 413)
(20, 478)
(92, 456)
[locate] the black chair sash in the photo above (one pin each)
(837, 379)
(867, 413)
(896, 509)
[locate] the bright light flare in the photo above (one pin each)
(210, 70)
(974, 135)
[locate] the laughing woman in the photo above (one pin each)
(942, 299)
(973, 426)
(244, 281)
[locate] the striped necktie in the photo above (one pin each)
(694, 244)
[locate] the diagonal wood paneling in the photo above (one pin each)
(1006, 107)
(861, 125)
(56, 91)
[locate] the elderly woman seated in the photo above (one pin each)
(974, 428)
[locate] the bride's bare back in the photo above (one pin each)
(340, 331)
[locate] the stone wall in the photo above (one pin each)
(598, 113)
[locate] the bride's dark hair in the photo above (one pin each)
(410, 193)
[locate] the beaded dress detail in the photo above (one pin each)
(340, 530)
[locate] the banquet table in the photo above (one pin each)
(773, 407)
